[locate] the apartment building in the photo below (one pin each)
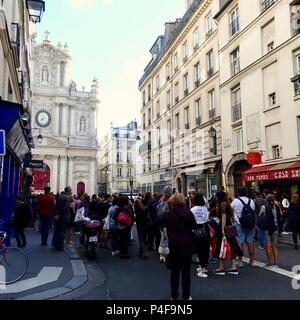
(119, 160)
(259, 54)
(181, 128)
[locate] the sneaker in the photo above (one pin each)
(202, 274)
(199, 269)
(190, 298)
(232, 272)
(240, 264)
(252, 264)
(115, 253)
(213, 260)
(219, 272)
(284, 232)
(268, 265)
(275, 266)
(261, 248)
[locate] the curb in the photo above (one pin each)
(80, 277)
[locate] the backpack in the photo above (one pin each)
(247, 219)
(162, 210)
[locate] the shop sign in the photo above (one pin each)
(34, 164)
(254, 158)
(2, 143)
(273, 175)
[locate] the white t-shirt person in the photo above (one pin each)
(237, 207)
(200, 214)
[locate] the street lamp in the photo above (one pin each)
(212, 132)
(40, 139)
(35, 10)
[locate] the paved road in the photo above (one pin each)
(138, 279)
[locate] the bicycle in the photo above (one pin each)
(14, 262)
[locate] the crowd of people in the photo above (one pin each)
(176, 227)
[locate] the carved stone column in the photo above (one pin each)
(65, 120)
(63, 173)
(53, 175)
(71, 172)
(92, 178)
(56, 120)
(72, 121)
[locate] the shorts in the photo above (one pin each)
(271, 239)
(245, 235)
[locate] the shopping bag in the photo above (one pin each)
(79, 214)
(164, 247)
(225, 252)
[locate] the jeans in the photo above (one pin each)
(20, 236)
(261, 237)
(114, 240)
(142, 232)
(45, 226)
(183, 265)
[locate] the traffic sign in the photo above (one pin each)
(2, 143)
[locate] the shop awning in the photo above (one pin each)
(287, 170)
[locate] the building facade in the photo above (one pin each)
(181, 129)
(66, 118)
(259, 50)
(16, 32)
(120, 164)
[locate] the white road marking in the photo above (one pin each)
(272, 269)
(46, 275)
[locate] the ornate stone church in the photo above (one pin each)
(66, 119)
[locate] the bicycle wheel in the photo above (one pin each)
(14, 266)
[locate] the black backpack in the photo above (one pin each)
(247, 219)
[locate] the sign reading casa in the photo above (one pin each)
(274, 175)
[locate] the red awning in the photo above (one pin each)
(287, 170)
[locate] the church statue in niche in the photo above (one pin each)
(45, 75)
(82, 125)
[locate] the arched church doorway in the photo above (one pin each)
(41, 178)
(80, 188)
(237, 171)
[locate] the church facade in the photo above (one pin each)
(66, 119)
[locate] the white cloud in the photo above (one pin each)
(88, 3)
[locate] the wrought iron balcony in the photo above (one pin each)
(210, 72)
(196, 47)
(212, 114)
(198, 121)
(176, 100)
(197, 83)
(185, 59)
(157, 115)
(236, 112)
(186, 92)
(176, 69)
(266, 4)
(209, 33)
(187, 126)
(297, 87)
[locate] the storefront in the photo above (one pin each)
(278, 177)
(14, 179)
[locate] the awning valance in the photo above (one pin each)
(287, 170)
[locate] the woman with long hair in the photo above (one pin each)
(293, 215)
(226, 217)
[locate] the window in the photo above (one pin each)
(9, 91)
(234, 21)
(168, 99)
(186, 84)
(276, 152)
(197, 74)
(187, 118)
(157, 83)
(158, 136)
(188, 151)
(236, 104)
(272, 99)
(144, 98)
(118, 143)
(297, 59)
(169, 128)
(210, 63)
(270, 46)
(119, 157)
(185, 52)
(129, 145)
(149, 92)
(149, 117)
(176, 92)
(177, 124)
(129, 157)
(196, 39)
(198, 112)
(157, 109)
(129, 172)
(235, 62)
(177, 154)
(208, 25)
(176, 61)
(295, 10)
(62, 73)
(238, 140)
(267, 35)
(273, 139)
(212, 104)
(199, 148)
(119, 172)
(168, 71)
(144, 121)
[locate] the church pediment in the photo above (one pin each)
(46, 49)
(52, 142)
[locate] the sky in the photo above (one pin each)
(109, 40)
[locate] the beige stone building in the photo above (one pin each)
(181, 129)
(259, 54)
(119, 160)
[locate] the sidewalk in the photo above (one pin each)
(49, 273)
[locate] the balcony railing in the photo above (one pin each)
(196, 47)
(157, 115)
(236, 112)
(212, 114)
(297, 87)
(198, 121)
(197, 83)
(235, 67)
(209, 33)
(267, 4)
(187, 126)
(176, 69)
(210, 72)
(168, 106)
(185, 59)
(186, 92)
(176, 100)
